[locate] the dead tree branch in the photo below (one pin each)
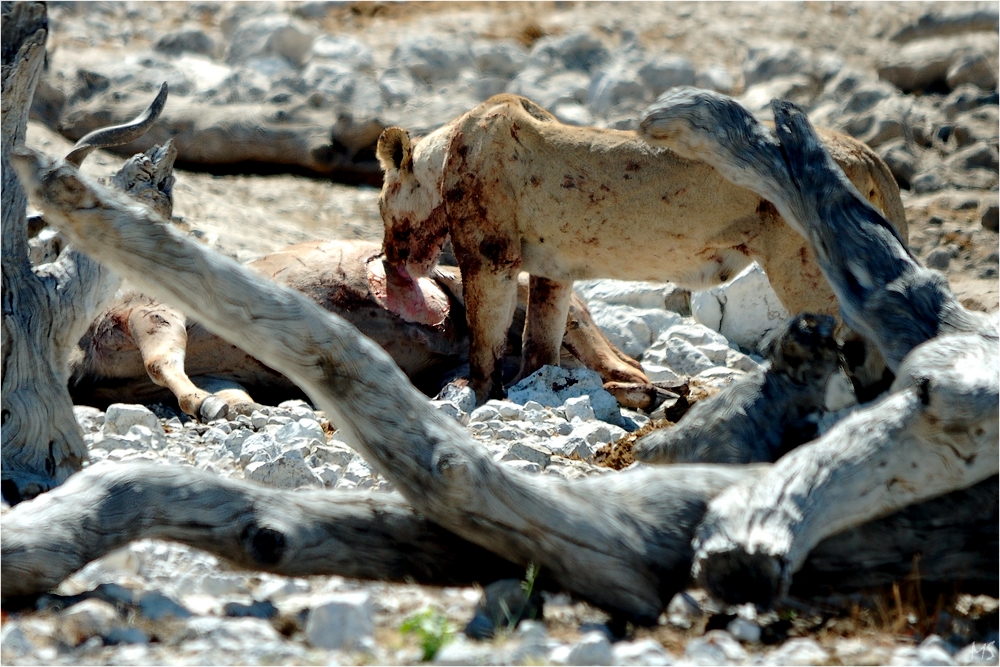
(937, 430)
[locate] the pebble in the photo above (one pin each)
(799, 651)
(744, 630)
(592, 649)
(648, 652)
(716, 647)
(90, 618)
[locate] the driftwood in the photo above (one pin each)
(951, 540)
(379, 536)
(238, 138)
(937, 430)
(760, 417)
(362, 535)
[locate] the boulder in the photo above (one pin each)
(716, 77)
(550, 88)
(188, 40)
(287, 471)
(924, 64)
(773, 61)
(502, 59)
(577, 51)
(973, 68)
(616, 85)
(346, 50)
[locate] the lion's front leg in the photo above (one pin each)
(490, 298)
(544, 323)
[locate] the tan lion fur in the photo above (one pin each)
(519, 191)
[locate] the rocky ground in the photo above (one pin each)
(917, 81)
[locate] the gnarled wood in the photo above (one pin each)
(48, 307)
(951, 540)
(45, 310)
(362, 535)
(937, 430)
(758, 418)
(616, 540)
(379, 536)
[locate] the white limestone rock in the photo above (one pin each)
(749, 308)
(597, 433)
(551, 386)
(120, 417)
(592, 649)
(90, 618)
(452, 410)
(578, 407)
(342, 621)
(646, 652)
(678, 355)
(800, 651)
(91, 420)
(716, 647)
(287, 471)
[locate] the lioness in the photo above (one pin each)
(519, 191)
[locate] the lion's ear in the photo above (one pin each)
(394, 150)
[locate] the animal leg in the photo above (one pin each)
(490, 298)
(622, 375)
(229, 392)
(160, 333)
(589, 344)
(544, 323)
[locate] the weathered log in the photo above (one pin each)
(937, 430)
(47, 308)
(307, 532)
(379, 536)
(760, 417)
(617, 540)
(951, 540)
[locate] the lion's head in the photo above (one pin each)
(410, 203)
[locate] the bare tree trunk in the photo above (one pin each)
(47, 308)
(45, 311)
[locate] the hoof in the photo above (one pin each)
(213, 408)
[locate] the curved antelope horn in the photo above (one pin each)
(116, 135)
